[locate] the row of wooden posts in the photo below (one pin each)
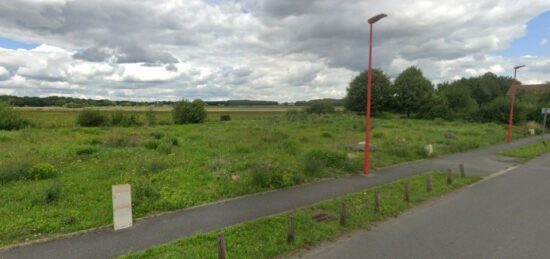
(343, 209)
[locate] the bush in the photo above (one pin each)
(48, 195)
(19, 171)
(313, 167)
(189, 112)
(320, 108)
(328, 158)
(295, 115)
(225, 117)
(124, 120)
(153, 166)
(14, 171)
(11, 119)
(261, 176)
(151, 144)
(121, 139)
(157, 135)
(88, 150)
(91, 118)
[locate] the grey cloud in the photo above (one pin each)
(283, 50)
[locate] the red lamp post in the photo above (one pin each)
(372, 20)
(512, 102)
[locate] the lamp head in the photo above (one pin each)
(518, 67)
(376, 18)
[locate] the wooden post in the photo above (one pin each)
(343, 213)
(407, 192)
(429, 183)
(290, 236)
(462, 173)
(221, 246)
(377, 201)
(450, 177)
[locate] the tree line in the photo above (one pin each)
(71, 102)
(481, 98)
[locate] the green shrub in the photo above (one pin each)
(121, 139)
(328, 158)
(41, 171)
(165, 147)
(11, 119)
(157, 135)
(124, 120)
(151, 144)
(189, 112)
(225, 117)
(151, 166)
(326, 135)
(295, 115)
(313, 167)
(48, 195)
(87, 150)
(320, 108)
(91, 118)
(261, 176)
(14, 171)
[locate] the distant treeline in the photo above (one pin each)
(331, 101)
(70, 102)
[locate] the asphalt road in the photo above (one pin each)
(505, 216)
(106, 243)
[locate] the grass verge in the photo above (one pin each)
(266, 237)
(528, 152)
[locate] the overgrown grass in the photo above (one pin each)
(266, 237)
(183, 166)
(530, 151)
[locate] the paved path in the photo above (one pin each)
(506, 216)
(106, 243)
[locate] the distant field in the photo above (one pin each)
(56, 117)
(58, 180)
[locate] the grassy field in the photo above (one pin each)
(58, 117)
(266, 237)
(58, 180)
(528, 152)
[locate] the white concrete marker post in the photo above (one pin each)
(122, 206)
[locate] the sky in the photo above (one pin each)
(282, 50)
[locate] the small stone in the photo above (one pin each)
(361, 147)
(449, 135)
(235, 177)
(352, 156)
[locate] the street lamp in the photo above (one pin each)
(372, 20)
(512, 102)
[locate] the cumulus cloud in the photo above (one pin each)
(260, 49)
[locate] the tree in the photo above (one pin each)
(457, 100)
(189, 112)
(382, 93)
(413, 90)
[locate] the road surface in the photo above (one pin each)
(506, 216)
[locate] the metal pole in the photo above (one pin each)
(544, 126)
(367, 126)
(511, 114)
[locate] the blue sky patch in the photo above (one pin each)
(13, 44)
(536, 42)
